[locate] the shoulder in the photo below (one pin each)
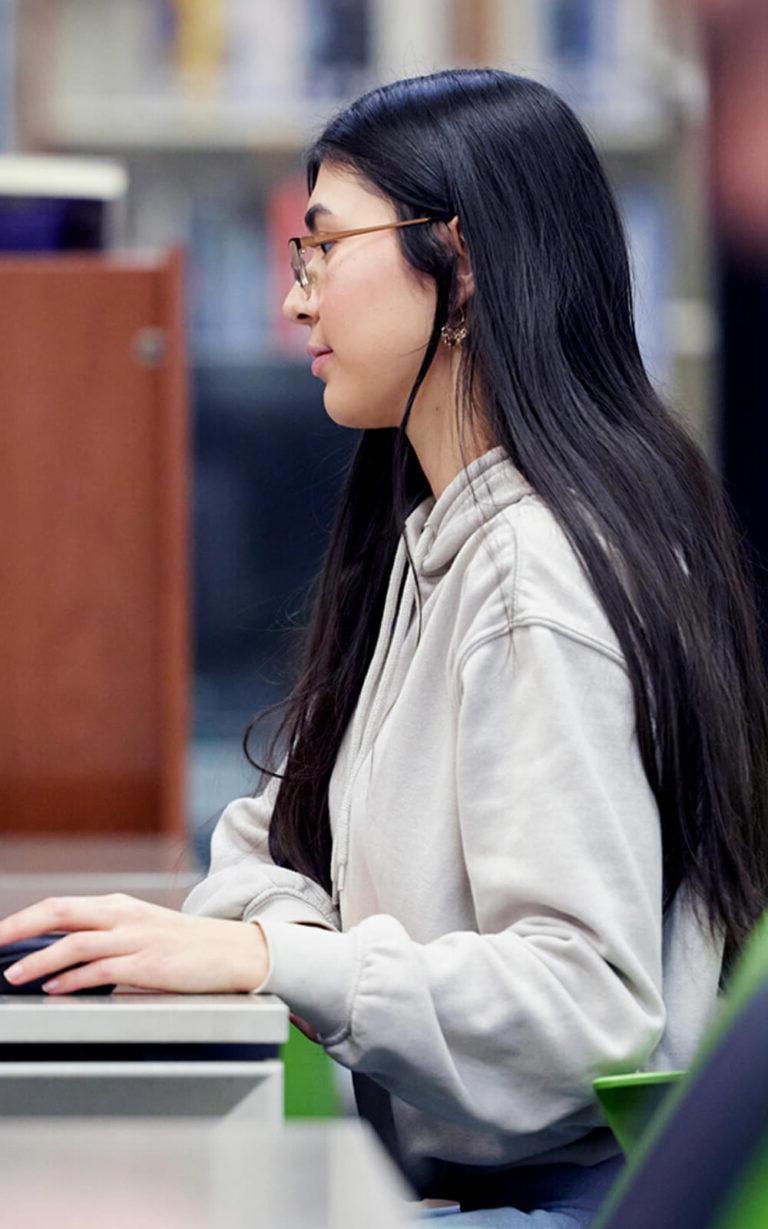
(520, 569)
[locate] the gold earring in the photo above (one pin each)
(455, 336)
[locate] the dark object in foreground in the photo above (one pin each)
(11, 952)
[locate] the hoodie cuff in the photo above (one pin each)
(312, 970)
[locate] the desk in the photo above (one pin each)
(186, 1175)
(127, 1054)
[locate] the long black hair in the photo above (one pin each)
(552, 357)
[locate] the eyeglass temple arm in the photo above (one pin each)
(313, 240)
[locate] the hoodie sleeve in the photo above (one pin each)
(506, 1026)
(243, 882)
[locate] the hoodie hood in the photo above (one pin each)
(437, 529)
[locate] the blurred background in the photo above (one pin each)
(161, 140)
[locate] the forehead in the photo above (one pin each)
(348, 198)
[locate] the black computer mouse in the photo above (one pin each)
(11, 952)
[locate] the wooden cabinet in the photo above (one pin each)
(94, 476)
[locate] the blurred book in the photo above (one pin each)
(7, 74)
(265, 49)
(227, 277)
(649, 233)
(200, 40)
(339, 53)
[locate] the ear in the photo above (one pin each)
(464, 275)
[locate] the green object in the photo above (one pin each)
(640, 1107)
(631, 1102)
(748, 1206)
(310, 1089)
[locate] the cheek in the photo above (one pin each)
(375, 317)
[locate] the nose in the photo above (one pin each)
(297, 307)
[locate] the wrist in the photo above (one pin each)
(257, 964)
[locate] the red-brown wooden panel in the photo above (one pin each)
(94, 462)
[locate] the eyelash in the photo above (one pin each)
(328, 243)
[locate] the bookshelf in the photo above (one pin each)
(139, 94)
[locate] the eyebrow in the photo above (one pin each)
(311, 214)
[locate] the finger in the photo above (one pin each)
(105, 972)
(74, 949)
(64, 913)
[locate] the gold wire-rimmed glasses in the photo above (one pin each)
(299, 243)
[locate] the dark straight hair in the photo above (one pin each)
(552, 358)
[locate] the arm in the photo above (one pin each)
(506, 1028)
(243, 882)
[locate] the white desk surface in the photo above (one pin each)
(128, 1016)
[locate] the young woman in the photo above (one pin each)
(516, 826)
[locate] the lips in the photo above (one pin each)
(314, 351)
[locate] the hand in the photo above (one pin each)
(127, 941)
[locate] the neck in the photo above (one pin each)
(433, 432)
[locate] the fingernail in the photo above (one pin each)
(14, 973)
(51, 985)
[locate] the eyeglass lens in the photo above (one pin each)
(301, 259)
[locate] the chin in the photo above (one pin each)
(357, 416)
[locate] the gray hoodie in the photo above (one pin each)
(495, 937)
